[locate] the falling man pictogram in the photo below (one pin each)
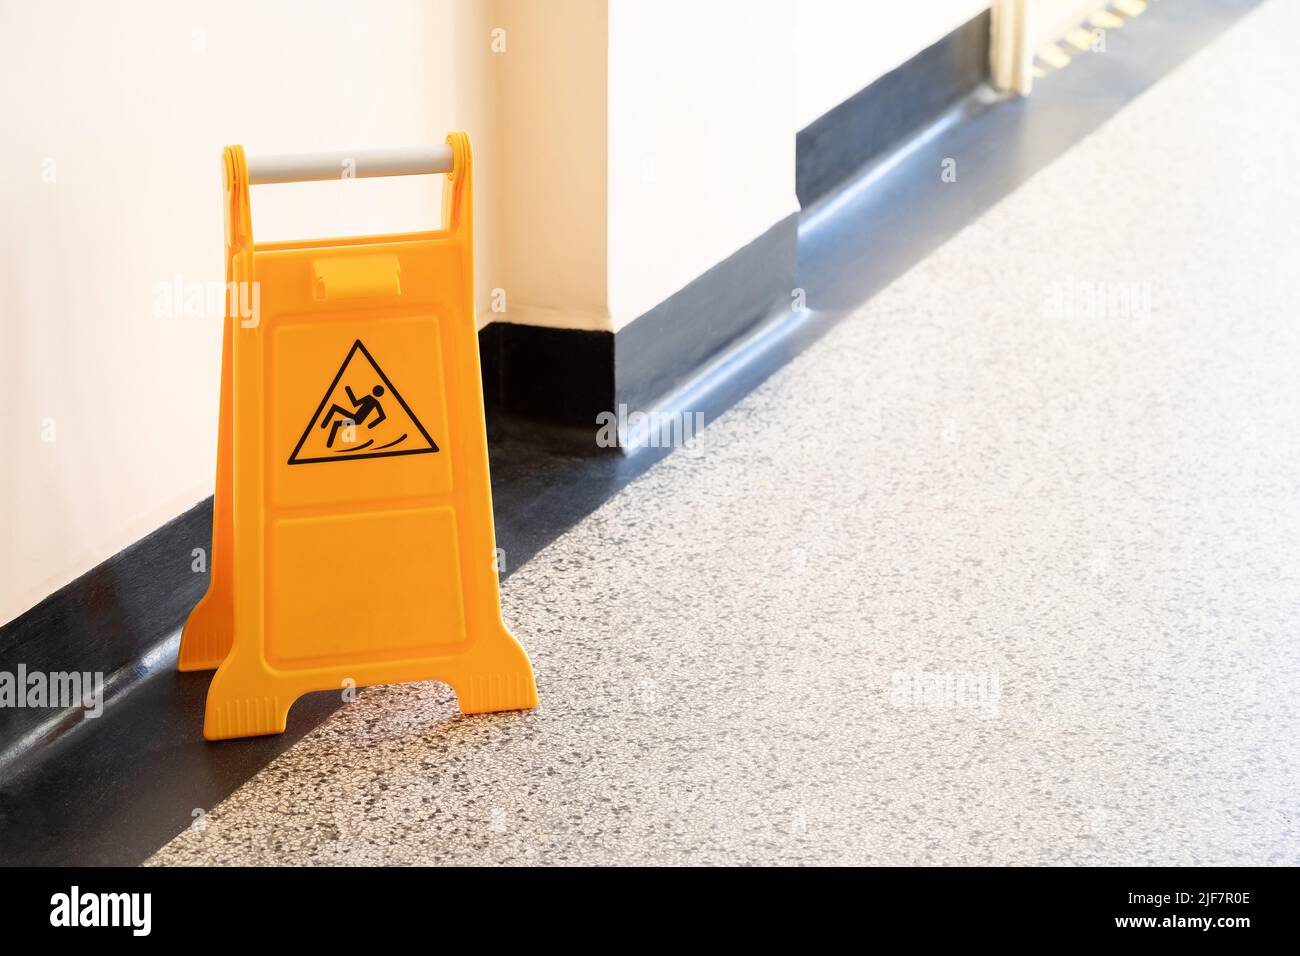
(364, 405)
(343, 408)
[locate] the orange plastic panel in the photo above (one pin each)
(352, 534)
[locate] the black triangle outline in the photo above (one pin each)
(433, 445)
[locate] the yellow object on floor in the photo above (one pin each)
(352, 529)
(1053, 56)
(1082, 39)
(1106, 20)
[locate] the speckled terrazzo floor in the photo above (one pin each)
(986, 576)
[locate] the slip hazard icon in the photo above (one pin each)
(361, 416)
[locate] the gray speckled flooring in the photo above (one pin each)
(986, 576)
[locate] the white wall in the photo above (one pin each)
(132, 102)
(552, 105)
(842, 46)
(701, 154)
(705, 99)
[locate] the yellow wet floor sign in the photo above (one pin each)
(352, 529)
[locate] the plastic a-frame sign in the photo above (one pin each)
(352, 529)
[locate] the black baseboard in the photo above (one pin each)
(563, 376)
(106, 622)
(839, 143)
(676, 339)
(569, 376)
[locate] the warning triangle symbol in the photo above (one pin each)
(361, 416)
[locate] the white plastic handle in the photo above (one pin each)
(357, 164)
